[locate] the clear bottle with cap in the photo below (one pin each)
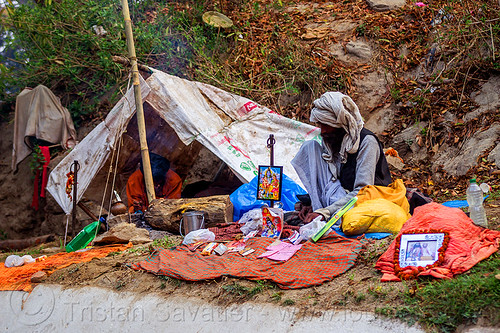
(475, 201)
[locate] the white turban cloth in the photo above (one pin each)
(338, 110)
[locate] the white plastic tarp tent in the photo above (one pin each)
(232, 127)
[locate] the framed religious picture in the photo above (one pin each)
(422, 249)
(269, 182)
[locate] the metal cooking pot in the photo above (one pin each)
(118, 208)
(193, 220)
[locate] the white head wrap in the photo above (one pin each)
(338, 110)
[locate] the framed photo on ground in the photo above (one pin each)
(421, 249)
(269, 182)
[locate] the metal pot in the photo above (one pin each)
(193, 220)
(118, 208)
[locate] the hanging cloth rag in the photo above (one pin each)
(46, 155)
(45, 175)
(40, 115)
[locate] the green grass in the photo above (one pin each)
(170, 280)
(276, 297)
(164, 242)
(494, 194)
(288, 302)
(243, 292)
(360, 297)
(443, 305)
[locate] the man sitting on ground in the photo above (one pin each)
(349, 158)
(167, 184)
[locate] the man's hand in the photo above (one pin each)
(312, 216)
(138, 206)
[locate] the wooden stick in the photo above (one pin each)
(87, 211)
(141, 123)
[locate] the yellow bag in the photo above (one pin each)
(377, 215)
(395, 192)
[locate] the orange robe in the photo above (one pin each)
(136, 189)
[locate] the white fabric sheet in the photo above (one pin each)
(232, 127)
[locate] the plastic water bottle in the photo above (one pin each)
(475, 201)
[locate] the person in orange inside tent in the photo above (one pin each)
(167, 184)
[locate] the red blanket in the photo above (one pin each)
(313, 264)
(469, 244)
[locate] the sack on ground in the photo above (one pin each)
(394, 192)
(377, 215)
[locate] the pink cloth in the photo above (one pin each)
(280, 252)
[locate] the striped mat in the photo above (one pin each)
(313, 264)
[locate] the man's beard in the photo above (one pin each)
(334, 140)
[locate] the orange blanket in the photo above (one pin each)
(18, 278)
(469, 244)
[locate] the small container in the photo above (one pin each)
(191, 221)
(118, 208)
(475, 200)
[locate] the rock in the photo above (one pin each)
(344, 32)
(354, 52)
(315, 30)
(381, 119)
(158, 234)
(38, 277)
(122, 234)
(53, 249)
(300, 8)
(205, 167)
(344, 29)
(116, 220)
(494, 155)
(406, 142)
(456, 162)
(360, 49)
(394, 161)
(488, 98)
(385, 5)
(370, 91)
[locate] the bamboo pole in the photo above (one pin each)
(148, 176)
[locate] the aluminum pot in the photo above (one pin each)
(193, 220)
